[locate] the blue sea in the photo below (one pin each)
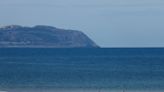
(108, 68)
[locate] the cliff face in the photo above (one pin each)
(43, 36)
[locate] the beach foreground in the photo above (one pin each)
(77, 90)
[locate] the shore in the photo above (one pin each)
(76, 90)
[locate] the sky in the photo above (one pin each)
(110, 23)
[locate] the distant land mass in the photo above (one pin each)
(43, 36)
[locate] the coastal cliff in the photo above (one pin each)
(43, 36)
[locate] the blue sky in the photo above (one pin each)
(110, 23)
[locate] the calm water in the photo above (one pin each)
(82, 68)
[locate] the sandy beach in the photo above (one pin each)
(76, 90)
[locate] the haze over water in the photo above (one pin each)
(110, 23)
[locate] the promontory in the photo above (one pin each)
(43, 36)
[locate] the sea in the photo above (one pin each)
(81, 68)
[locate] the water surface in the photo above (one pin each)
(132, 69)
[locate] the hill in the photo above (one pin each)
(43, 36)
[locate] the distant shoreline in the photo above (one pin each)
(43, 36)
